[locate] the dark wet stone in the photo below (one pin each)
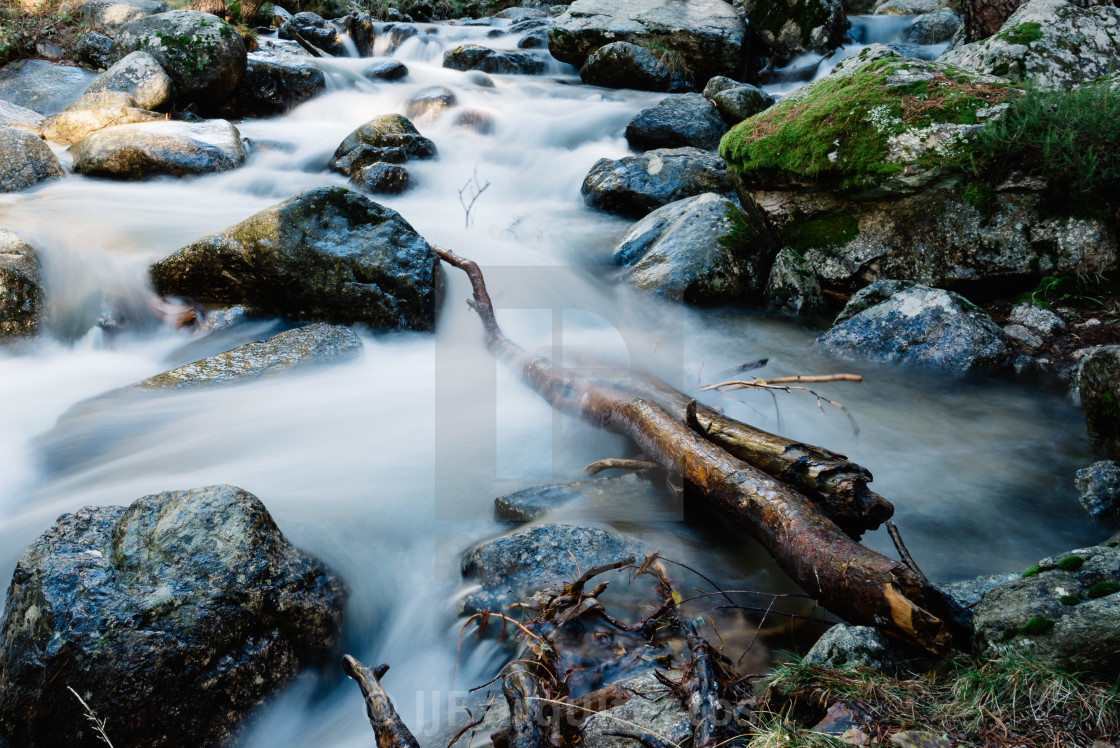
(21, 294)
(381, 178)
(386, 70)
(274, 82)
(1099, 486)
(636, 185)
(316, 30)
(687, 120)
(626, 65)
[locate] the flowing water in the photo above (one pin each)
(387, 467)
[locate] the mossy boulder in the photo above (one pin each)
(788, 28)
(168, 147)
(203, 54)
(25, 160)
(1048, 44)
(92, 112)
(184, 592)
(636, 185)
(327, 254)
(793, 284)
(1099, 384)
(21, 294)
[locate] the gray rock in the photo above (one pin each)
(676, 122)
(719, 83)
(265, 44)
(399, 33)
(664, 717)
(314, 344)
(191, 591)
(1098, 379)
(793, 285)
(477, 57)
(1029, 367)
(327, 254)
(858, 645)
(386, 70)
(17, 116)
(25, 160)
(21, 294)
(1037, 319)
(110, 15)
(518, 14)
(706, 36)
(535, 39)
(967, 592)
(513, 567)
(42, 86)
(1049, 44)
(535, 502)
(932, 28)
(380, 178)
(275, 82)
(429, 103)
(907, 7)
(139, 76)
(1024, 337)
(626, 65)
(793, 27)
(480, 79)
(202, 54)
(1099, 486)
(476, 120)
(93, 49)
(359, 24)
(739, 103)
(164, 147)
(906, 323)
(92, 112)
(315, 29)
(389, 138)
(700, 250)
(636, 185)
(1064, 612)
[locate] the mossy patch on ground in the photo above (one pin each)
(1024, 33)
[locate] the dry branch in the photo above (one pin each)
(389, 729)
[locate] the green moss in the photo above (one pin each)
(1069, 600)
(1036, 625)
(1024, 33)
(1071, 563)
(826, 231)
(772, 16)
(1030, 571)
(741, 240)
(1103, 589)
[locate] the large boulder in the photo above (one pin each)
(1064, 612)
(737, 103)
(21, 117)
(21, 295)
(1099, 383)
(1099, 486)
(94, 49)
(626, 65)
(701, 250)
(477, 57)
(25, 160)
(932, 28)
(1048, 44)
(327, 254)
(164, 147)
(312, 345)
(706, 36)
(687, 120)
(899, 322)
(184, 592)
(110, 15)
(42, 86)
(275, 81)
(141, 77)
(791, 27)
(636, 185)
(203, 54)
(93, 112)
(314, 29)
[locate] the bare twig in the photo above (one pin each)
(98, 724)
(473, 189)
(907, 559)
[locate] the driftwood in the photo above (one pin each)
(525, 696)
(847, 578)
(388, 728)
(570, 715)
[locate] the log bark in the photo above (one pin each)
(852, 581)
(388, 728)
(570, 715)
(524, 694)
(982, 18)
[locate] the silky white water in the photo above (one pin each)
(387, 467)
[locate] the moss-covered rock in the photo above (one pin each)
(790, 27)
(793, 284)
(1099, 384)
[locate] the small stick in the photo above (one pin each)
(907, 559)
(472, 724)
(389, 729)
(614, 463)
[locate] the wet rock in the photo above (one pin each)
(389, 138)
(399, 33)
(275, 82)
(1049, 44)
(1064, 612)
(314, 344)
(1098, 379)
(265, 44)
(42, 86)
(1037, 319)
(701, 250)
(202, 54)
(476, 120)
(719, 83)
(636, 185)
(360, 26)
(164, 147)
(24, 119)
(25, 160)
(648, 707)
(191, 591)
(110, 15)
(429, 103)
(907, 7)
(93, 112)
(327, 254)
(790, 28)
(626, 65)
(676, 122)
(139, 76)
(793, 285)
(1029, 367)
(477, 57)
(1024, 337)
(848, 645)
(522, 13)
(535, 39)
(526, 24)
(706, 37)
(740, 102)
(537, 501)
(967, 592)
(21, 295)
(901, 322)
(932, 28)
(513, 567)
(1099, 486)
(380, 178)
(480, 79)
(316, 30)
(386, 70)
(93, 49)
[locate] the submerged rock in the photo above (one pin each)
(1098, 380)
(906, 323)
(163, 147)
(636, 185)
(110, 15)
(477, 57)
(602, 493)
(184, 592)
(626, 65)
(314, 344)
(700, 250)
(25, 160)
(93, 112)
(687, 120)
(21, 294)
(1099, 486)
(44, 87)
(386, 70)
(139, 76)
(327, 254)
(429, 103)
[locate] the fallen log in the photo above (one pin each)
(525, 696)
(852, 581)
(388, 728)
